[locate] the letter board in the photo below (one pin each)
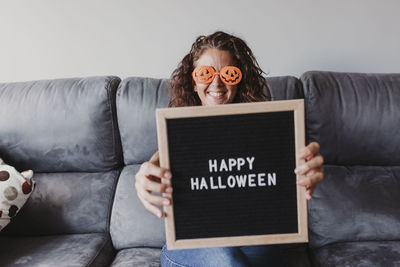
(233, 174)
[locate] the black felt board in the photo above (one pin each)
(269, 137)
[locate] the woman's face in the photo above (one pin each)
(216, 92)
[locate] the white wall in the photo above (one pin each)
(45, 39)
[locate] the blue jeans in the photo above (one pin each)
(225, 256)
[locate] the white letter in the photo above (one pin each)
(241, 180)
(271, 179)
(251, 180)
(250, 161)
(223, 166)
(194, 184)
(241, 162)
(212, 183)
(212, 165)
(231, 163)
(220, 185)
(261, 179)
(231, 181)
(203, 184)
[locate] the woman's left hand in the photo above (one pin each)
(311, 172)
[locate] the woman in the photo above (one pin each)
(197, 81)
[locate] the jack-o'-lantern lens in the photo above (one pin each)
(203, 74)
(230, 75)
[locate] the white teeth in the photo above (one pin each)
(215, 93)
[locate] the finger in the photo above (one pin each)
(309, 151)
(310, 180)
(315, 162)
(309, 157)
(153, 209)
(150, 169)
(154, 199)
(155, 186)
(147, 195)
(309, 193)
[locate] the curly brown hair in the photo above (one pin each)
(250, 89)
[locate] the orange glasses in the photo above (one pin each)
(229, 75)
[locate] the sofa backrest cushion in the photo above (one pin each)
(354, 116)
(137, 98)
(285, 88)
(60, 125)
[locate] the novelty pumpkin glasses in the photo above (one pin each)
(229, 75)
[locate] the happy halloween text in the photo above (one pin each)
(232, 181)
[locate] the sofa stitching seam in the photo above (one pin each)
(112, 201)
(98, 252)
(108, 85)
(117, 101)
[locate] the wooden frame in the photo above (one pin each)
(297, 106)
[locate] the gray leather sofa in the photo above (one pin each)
(86, 138)
(354, 216)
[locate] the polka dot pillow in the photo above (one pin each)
(15, 189)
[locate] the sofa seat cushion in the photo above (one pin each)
(137, 257)
(60, 250)
(355, 203)
(67, 203)
(131, 224)
(369, 253)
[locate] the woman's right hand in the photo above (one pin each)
(148, 180)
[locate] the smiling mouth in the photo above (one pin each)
(216, 94)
